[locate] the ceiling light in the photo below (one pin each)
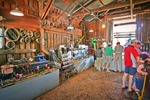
(91, 30)
(70, 27)
(103, 26)
(16, 12)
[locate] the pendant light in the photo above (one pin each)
(16, 11)
(91, 30)
(103, 26)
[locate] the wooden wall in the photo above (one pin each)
(51, 35)
(96, 26)
(143, 30)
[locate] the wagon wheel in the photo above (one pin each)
(11, 34)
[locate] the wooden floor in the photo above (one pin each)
(90, 85)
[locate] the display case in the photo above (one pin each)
(31, 88)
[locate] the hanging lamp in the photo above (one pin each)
(16, 11)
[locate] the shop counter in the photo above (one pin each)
(31, 88)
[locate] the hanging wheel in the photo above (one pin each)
(36, 34)
(30, 34)
(23, 33)
(10, 44)
(11, 34)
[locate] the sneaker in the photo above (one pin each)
(103, 68)
(108, 70)
(114, 70)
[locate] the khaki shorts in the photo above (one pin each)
(108, 59)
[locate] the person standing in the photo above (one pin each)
(98, 61)
(139, 44)
(131, 56)
(118, 57)
(108, 56)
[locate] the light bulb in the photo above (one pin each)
(103, 26)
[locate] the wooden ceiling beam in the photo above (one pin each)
(89, 12)
(64, 11)
(131, 8)
(21, 5)
(101, 2)
(124, 10)
(85, 5)
(118, 5)
(118, 16)
(79, 20)
(40, 6)
(46, 9)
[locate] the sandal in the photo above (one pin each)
(125, 87)
(130, 91)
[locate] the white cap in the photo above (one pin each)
(109, 44)
(134, 40)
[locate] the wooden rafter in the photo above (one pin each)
(46, 9)
(101, 2)
(79, 20)
(21, 5)
(89, 12)
(40, 6)
(131, 8)
(118, 5)
(79, 9)
(84, 5)
(117, 16)
(63, 11)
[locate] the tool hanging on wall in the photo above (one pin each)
(36, 34)
(12, 34)
(23, 33)
(38, 40)
(27, 40)
(22, 40)
(30, 34)
(10, 44)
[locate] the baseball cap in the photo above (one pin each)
(109, 44)
(143, 56)
(134, 40)
(139, 42)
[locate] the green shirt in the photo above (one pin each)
(108, 51)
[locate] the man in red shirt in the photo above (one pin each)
(131, 56)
